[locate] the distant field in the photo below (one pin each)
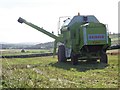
(115, 38)
(45, 72)
(8, 52)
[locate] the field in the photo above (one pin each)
(115, 39)
(46, 72)
(9, 52)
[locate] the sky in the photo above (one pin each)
(46, 13)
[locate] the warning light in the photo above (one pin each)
(78, 14)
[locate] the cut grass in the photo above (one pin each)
(46, 72)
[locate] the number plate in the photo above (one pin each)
(96, 36)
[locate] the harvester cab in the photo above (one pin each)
(81, 38)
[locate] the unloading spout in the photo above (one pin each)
(21, 20)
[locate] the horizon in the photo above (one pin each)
(38, 42)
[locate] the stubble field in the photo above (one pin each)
(46, 72)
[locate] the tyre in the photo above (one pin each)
(104, 58)
(74, 59)
(61, 54)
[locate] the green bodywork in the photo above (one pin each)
(81, 38)
(79, 35)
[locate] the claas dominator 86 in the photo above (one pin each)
(81, 38)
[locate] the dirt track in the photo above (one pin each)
(29, 55)
(109, 52)
(113, 52)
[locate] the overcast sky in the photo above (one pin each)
(46, 13)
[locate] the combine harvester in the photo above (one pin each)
(81, 38)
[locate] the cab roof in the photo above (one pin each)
(82, 19)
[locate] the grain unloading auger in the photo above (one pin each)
(81, 38)
(57, 39)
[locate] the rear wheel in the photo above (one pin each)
(61, 53)
(104, 58)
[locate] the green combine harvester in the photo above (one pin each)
(80, 38)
